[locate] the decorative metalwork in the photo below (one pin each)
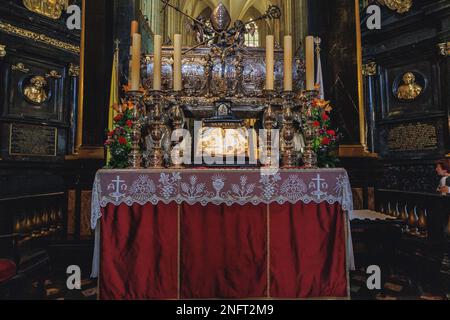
(50, 8)
(400, 6)
(223, 82)
(36, 91)
(409, 90)
(156, 123)
(310, 132)
(42, 38)
(224, 117)
(444, 49)
(218, 34)
(177, 117)
(74, 70)
(53, 74)
(20, 67)
(240, 79)
(220, 18)
(288, 131)
(269, 123)
(369, 69)
(135, 157)
(2, 51)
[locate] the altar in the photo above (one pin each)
(241, 210)
(222, 233)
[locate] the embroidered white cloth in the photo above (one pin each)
(218, 186)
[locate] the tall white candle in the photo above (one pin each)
(309, 53)
(177, 77)
(157, 62)
(136, 62)
(269, 62)
(288, 63)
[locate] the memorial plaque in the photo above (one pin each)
(417, 136)
(32, 140)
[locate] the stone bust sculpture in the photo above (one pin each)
(409, 90)
(35, 91)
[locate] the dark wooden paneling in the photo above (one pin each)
(38, 59)
(98, 65)
(335, 23)
(406, 43)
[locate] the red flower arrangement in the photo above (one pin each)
(325, 144)
(118, 140)
(122, 140)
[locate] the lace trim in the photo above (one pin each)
(218, 188)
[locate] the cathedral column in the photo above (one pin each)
(342, 65)
(157, 18)
(95, 68)
(287, 17)
(300, 27)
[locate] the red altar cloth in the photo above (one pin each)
(182, 251)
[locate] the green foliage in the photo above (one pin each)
(119, 141)
(326, 143)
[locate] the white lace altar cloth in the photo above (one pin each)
(218, 186)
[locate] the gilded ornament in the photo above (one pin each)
(42, 38)
(2, 51)
(409, 90)
(370, 69)
(444, 49)
(74, 70)
(50, 8)
(53, 74)
(35, 91)
(20, 67)
(400, 6)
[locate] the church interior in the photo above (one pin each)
(224, 149)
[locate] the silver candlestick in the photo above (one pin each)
(310, 132)
(156, 122)
(177, 117)
(270, 123)
(135, 156)
(289, 159)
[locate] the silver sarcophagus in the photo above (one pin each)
(208, 77)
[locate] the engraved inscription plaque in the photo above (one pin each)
(32, 140)
(413, 137)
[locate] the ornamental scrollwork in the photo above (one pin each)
(74, 70)
(42, 38)
(369, 69)
(2, 51)
(444, 49)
